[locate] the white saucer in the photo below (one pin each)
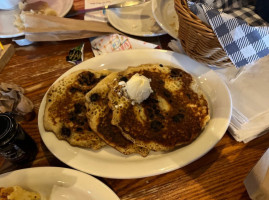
(136, 20)
(165, 15)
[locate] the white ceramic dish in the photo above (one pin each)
(55, 183)
(108, 162)
(165, 15)
(7, 17)
(136, 20)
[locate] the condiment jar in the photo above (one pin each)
(15, 144)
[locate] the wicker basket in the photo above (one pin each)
(198, 39)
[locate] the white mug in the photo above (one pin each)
(8, 4)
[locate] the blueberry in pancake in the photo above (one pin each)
(65, 111)
(158, 107)
(99, 117)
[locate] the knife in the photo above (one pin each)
(117, 5)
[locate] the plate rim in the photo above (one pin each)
(155, 7)
(69, 171)
(173, 165)
(68, 8)
(22, 33)
(109, 14)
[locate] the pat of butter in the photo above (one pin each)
(138, 88)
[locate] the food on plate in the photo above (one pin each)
(17, 193)
(65, 111)
(99, 116)
(38, 7)
(148, 107)
(174, 113)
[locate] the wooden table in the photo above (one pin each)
(217, 175)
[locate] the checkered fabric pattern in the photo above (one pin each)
(225, 4)
(241, 32)
(248, 15)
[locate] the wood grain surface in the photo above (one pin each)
(217, 175)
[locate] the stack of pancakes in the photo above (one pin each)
(90, 109)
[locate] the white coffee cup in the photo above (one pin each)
(8, 4)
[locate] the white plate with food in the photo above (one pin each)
(7, 17)
(136, 20)
(108, 162)
(165, 15)
(57, 183)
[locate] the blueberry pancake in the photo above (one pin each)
(65, 111)
(174, 114)
(99, 117)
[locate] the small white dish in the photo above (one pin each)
(108, 162)
(136, 20)
(165, 15)
(7, 17)
(55, 183)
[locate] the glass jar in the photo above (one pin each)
(15, 144)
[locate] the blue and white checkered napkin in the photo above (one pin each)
(241, 32)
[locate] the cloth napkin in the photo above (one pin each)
(241, 32)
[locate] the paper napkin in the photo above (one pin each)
(12, 99)
(250, 97)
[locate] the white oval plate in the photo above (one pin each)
(165, 15)
(7, 17)
(55, 183)
(108, 162)
(136, 20)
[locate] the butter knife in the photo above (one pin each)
(117, 5)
